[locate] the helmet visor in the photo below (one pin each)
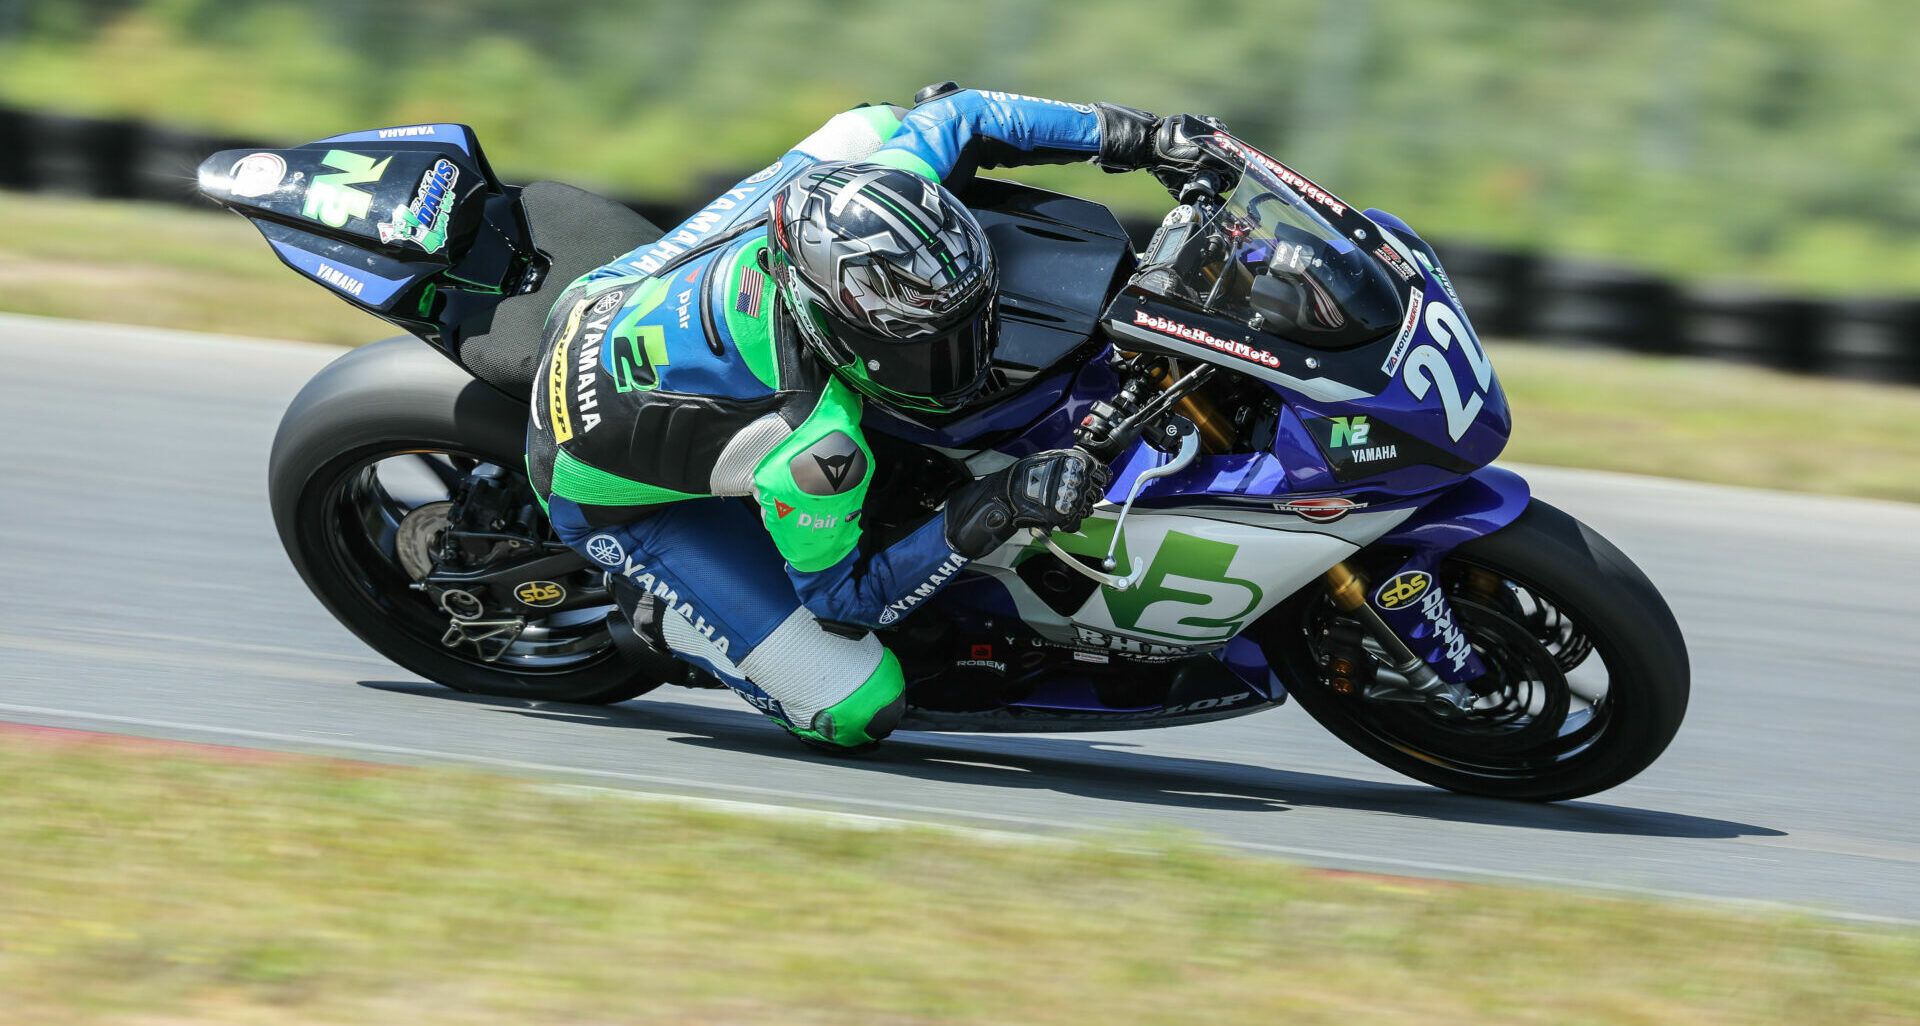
(942, 370)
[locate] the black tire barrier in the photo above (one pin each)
(1772, 331)
(1608, 306)
(1874, 340)
(17, 158)
(83, 156)
(1509, 293)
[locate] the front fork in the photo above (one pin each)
(1432, 627)
(1408, 614)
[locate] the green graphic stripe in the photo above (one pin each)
(752, 336)
(590, 486)
(905, 160)
(914, 223)
(881, 119)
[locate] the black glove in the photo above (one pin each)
(1132, 140)
(1054, 490)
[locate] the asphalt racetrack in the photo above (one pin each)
(146, 594)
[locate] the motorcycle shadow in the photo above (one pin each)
(1103, 769)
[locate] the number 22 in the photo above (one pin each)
(1427, 366)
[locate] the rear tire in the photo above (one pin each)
(1595, 738)
(380, 402)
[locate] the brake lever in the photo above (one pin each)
(1189, 448)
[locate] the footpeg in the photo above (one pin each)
(490, 638)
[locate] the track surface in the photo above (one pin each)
(147, 595)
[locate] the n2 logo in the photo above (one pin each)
(1427, 368)
(332, 199)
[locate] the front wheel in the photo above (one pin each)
(1587, 671)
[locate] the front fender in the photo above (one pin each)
(1484, 502)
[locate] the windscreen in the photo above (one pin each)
(1267, 260)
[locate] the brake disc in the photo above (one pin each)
(419, 534)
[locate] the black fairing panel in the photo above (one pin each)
(407, 223)
(1058, 256)
(1143, 320)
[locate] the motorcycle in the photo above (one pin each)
(1299, 417)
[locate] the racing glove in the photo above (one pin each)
(1132, 140)
(1052, 490)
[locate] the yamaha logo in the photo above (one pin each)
(605, 550)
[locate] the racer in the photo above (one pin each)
(696, 418)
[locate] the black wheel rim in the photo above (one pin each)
(1547, 700)
(361, 511)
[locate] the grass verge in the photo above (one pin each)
(1705, 420)
(147, 263)
(149, 884)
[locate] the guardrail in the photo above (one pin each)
(1510, 293)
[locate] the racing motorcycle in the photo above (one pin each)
(1298, 414)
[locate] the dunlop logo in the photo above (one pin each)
(1401, 589)
(557, 377)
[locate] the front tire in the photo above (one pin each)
(1588, 672)
(358, 450)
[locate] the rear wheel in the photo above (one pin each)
(403, 506)
(1587, 676)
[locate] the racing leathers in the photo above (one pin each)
(684, 440)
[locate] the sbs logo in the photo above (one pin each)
(1401, 589)
(540, 594)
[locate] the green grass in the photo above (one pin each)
(1710, 421)
(146, 263)
(144, 884)
(1706, 420)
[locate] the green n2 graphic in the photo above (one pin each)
(1186, 593)
(331, 199)
(637, 365)
(1345, 431)
(637, 351)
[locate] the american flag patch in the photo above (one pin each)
(753, 285)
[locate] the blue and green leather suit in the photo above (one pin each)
(684, 440)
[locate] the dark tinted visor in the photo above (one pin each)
(947, 368)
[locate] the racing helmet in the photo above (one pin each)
(890, 281)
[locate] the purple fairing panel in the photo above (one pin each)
(1244, 657)
(1442, 395)
(1489, 499)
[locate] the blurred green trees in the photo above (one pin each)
(1765, 139)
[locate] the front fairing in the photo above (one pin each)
(1410, 413)
(1409, 409)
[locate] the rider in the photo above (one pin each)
(696, 419)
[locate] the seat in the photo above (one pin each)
(576, 230)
